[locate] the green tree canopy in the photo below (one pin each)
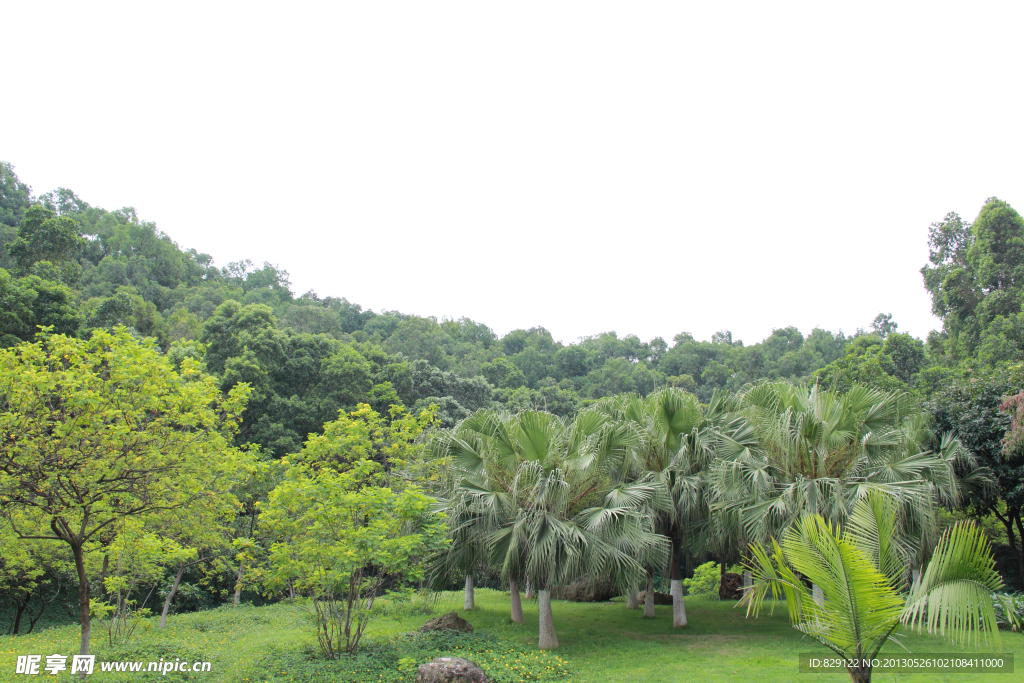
(96, 431)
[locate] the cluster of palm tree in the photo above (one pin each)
(629, 486)
(528, 495)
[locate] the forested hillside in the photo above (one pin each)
(73, 267)
(76, 267)
(209, 432)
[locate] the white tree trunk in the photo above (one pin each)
(517, 605)
(748, 580)
(632, 599)
(649, 599)
(529, 590)
(678, 606)
(819, 595)
(548, 639)
(470, 602)
(915, 577)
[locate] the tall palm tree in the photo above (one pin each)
(861, 573)
(470, 518)
(535, 490)
(675, 440)
(819, 452)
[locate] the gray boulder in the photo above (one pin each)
(448, 622)
(450, 670)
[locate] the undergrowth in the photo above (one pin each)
(397, 659)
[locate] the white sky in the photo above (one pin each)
(643, 167)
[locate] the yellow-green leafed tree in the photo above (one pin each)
(30, 573)
(99, 430)
(340, 533)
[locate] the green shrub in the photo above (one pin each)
(396, 660)
(705, 581)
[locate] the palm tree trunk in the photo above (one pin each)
(517, 605)
(819, 595)
(860, 675)
(632, 599)
(649, 597)
(678, 606)
(548, 639)
(529, 590)
(469, 602)
(170, 594)
(748, 579)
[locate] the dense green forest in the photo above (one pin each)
(76, 267)
(301, 398)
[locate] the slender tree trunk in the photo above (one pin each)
(238, 584)
(632, 599)
(83, 600)
(649, 596)
(819, 595)
(517, 605)
(748, 579)
(33, 619)
(101, 584)
(1011, 539)
(548, 639)
(17, 616)
(470, 601)
(678, 606)
(529, 590)
(1020, 549)
(170, 594)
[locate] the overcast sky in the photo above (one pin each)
(642, 167)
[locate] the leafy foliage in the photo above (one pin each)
(860, 572)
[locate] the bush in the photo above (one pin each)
(396, 660)
(704, 584)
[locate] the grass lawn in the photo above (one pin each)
(600, 643)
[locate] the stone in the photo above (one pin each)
(448, 622)
(659, 598)
(450, 670)
(585, 590)
(731, 587)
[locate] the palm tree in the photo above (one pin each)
(675, 442)
(470, 517)
(553, 539)
(819, 452)
(534, 489)
(861, 572)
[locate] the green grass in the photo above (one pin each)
(601, 643)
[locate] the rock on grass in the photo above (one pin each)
(451, 669)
